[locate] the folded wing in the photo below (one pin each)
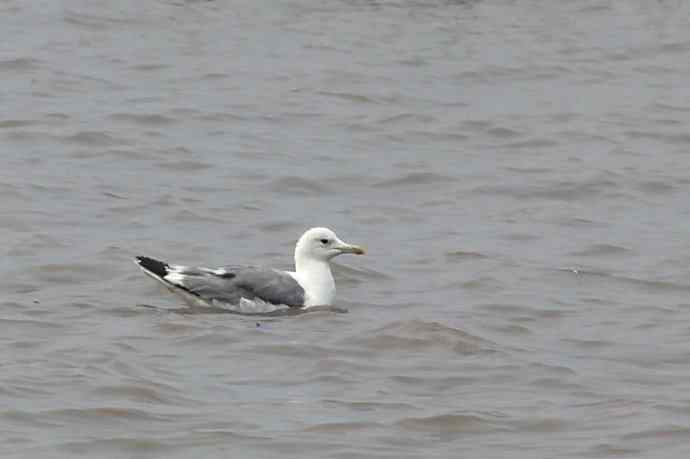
(227, 285)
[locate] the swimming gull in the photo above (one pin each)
(311, 284)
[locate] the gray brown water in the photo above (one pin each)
(519, 171)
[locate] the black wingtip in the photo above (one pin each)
(156, 267)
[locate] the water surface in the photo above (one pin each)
(517, 170)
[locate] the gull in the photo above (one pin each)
(310, 284)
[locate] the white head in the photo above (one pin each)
(322, 244)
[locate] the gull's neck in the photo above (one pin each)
(316, 279)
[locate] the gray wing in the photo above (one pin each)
(231, 284)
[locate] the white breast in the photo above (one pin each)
(318, 284)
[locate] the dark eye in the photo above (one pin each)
(324, 241)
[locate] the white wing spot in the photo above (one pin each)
(175, 278)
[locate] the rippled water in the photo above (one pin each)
(519, 172)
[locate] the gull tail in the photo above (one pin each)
(153, 267)
(171, 277)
